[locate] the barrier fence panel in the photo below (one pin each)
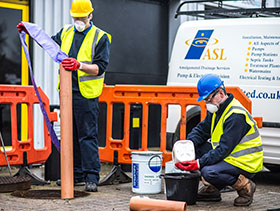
(23, 150)
(125, 95)
(145, 96)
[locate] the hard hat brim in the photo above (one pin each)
(80, 15)
(200, 98)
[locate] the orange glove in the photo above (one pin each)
(188, 165)
(21, 28)
(70, 64)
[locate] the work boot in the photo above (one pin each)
(77, 182)
(208, 192)
(91, 187)
(245, 189)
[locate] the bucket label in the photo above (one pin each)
(135, 175)
(155, 168)
(151, 179)
(155, 163)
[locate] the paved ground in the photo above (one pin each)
(117, 197)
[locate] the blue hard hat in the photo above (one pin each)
(207, 84)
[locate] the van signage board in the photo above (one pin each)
(243, 52)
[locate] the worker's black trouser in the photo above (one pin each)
(220, 174)
(85, 131)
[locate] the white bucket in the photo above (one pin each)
(146, 171)
(171, 168)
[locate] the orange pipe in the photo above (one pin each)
(66, 149)
(146, 204)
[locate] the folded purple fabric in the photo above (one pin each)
(56, 54)
(47, 43)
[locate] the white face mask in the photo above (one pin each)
(80, 25)
(212, 108)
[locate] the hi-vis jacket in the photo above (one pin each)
(90, 86)
(248, 154)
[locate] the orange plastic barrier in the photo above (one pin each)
(16, 95)
(147, 95)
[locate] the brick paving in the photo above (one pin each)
(117, 197)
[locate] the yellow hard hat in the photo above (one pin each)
(81, 8)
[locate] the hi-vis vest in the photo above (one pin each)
(248, 154)
(90, 86)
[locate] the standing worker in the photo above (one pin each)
(88, 48)
(235, 153)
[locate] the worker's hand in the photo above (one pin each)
(21, 28)
(188, 165)
(70, 64)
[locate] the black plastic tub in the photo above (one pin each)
(182, 186)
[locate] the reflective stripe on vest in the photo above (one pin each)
(248, 154)
(90, 86)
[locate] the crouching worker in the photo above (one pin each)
(235, 153)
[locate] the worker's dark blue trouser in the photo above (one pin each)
(85, 127)
(220, 174)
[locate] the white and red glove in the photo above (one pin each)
(188, 165)
(70, 64)
(21, 28)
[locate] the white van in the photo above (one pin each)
(244, 52)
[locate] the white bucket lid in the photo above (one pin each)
(183, 150)
(146, 153)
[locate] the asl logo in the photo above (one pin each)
(200, 42)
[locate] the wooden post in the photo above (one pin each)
(66, 149)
